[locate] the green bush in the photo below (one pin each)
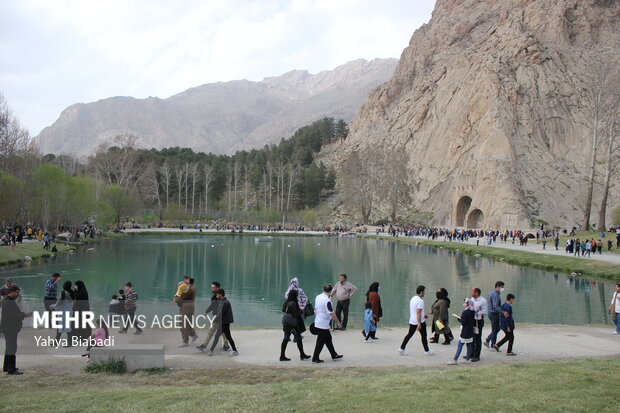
(615, 215)
(110, 366)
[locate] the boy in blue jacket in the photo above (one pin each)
(369, 323)
(507, 324)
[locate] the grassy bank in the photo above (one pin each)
(547, 262)
(32, 249)
(35, 249)
(586, 385)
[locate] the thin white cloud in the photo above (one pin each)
(54, 54)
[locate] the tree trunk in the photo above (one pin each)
(588, 207)
(608, 167)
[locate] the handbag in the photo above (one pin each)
(313, 330)
(439, 325)
(308, 310)
(288, 319)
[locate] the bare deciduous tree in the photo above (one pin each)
(153, 185)
(13, 138)
(360, 176)
(612, 149)
(208, 177)
(595, 99)
(394, 182)
(166, 174)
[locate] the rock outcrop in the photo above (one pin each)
(220, 117)
(487, 100)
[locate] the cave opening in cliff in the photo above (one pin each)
(461, 210)
(475, 219)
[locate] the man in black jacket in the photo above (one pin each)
(211, 312)
(10, 325)
(223, 320)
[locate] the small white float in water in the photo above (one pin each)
(27, 258)
(477, 255)
(90, 249)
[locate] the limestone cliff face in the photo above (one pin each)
(487, 99)
(220, 117)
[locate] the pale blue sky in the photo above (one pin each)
(57, 53)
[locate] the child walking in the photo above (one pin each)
(370, 325)
(507, 324)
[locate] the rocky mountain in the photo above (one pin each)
(489, 101)
(220, 117)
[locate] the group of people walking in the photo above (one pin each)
(73, 298)
(471, 319)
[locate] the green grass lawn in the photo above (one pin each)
(32, 249)
(576, 386)
(35, 249)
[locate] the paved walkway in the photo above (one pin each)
(538, 249)
(261, 347)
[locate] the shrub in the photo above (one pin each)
(110, 366)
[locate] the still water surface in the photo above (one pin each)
(256, 274)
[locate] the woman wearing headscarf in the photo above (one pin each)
(372, 296)
(439, 310)
(80, 304)
(302, 300)
(291, 323)
(64, 304)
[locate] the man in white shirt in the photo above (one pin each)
(480, 309)
(417, 321)
(343, 290)
(614, 308)
(323, 314)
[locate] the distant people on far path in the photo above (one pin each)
(343, 290)
(614, 308)
(494, 312)
(131, 296)
(467, 332)
(324, 314)
(508, 326)
(291, 324)
(50, 291)
(372, 296)
(417, 322)
(10, 326)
